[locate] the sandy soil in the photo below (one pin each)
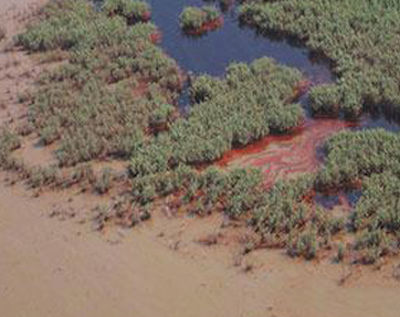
(58, 266)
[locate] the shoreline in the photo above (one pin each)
(58, 266)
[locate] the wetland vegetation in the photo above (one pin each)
(359, 37)
(115, 96)
(196, 20)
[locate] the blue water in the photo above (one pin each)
(212, 52)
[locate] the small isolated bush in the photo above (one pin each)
(194, 18)
(9, 141)
(340, 252)
(2, 33)
(325, 99)
(132, 10)
(104, 181)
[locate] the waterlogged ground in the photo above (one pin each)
(282, 155)
(211, 53)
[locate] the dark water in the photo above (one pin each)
(212, 52)
(348, 197)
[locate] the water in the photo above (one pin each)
(212, 52)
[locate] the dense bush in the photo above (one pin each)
(247, 105)
(369, 157)
(132, 10)
(325, 100)
(358, 36)
(377, 217)
(76, 103)
(194, 18)
(353, 155)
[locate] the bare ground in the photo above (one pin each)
(52, 263)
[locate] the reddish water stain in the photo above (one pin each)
(207, 27)
(281, 155)
(156, 37)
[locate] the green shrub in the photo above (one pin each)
(353, 155)
(193, 18)
(237, 110)
(132, 10)
(76, 104)
(325, 99)
(357, 36)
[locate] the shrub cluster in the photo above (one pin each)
(132, 10)
(90, 103)
(358, 36)
(248, 104)
(369, 157)
(194, 19)
(325, 100)
(354, 155)
(234, 192)
(288, 219)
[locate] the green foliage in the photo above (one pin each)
(370, 157)
(377, 216)
(193, 18)
(132, 10)
(325, 99)
(244, 193)
(358, 36)
(340, 252)
(244, 107)
(353, 155)
(58, 29)
(76, 103)
(285, 210)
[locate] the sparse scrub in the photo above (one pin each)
(104, 182)
(2, 33)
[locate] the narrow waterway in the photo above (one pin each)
(211, 53)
